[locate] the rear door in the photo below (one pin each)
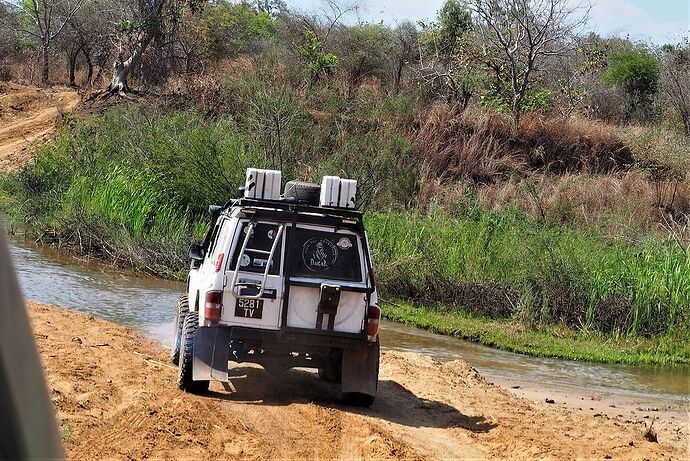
(264, 312)
(325, 256)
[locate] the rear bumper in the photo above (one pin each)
(297, 336)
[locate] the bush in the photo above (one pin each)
(638, 73)
(133, 186)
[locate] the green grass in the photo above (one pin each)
(545, 340)
(503, 264)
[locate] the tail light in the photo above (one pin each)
(219, 261)
(373, 319)
(213, 305)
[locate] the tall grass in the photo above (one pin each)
(507, 264)
(132, 187)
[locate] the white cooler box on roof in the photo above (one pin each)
(336, 192)
(262, 184)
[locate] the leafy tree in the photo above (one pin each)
(404, 50)
(364, 50)
(518, 36)
(44, 21)
(454, 20)
(637, 72)
(221, 30)
(9, 41)
(317, 61)
(449, 63)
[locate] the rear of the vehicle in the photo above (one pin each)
(297, 290)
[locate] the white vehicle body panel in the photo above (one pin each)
(302, 312)
(302, 306)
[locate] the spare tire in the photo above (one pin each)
(302, 192)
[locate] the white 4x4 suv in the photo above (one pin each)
(283, 281)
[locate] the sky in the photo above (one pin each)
(658, 21)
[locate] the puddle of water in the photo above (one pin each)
(148, 305)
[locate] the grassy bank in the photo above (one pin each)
(133, 186)
(545, 340)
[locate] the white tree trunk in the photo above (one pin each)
(118, 84)
(121, 69)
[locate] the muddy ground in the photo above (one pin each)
(115, 397)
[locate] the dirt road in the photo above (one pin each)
(27, 115)
(116, 398)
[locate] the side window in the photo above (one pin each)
(213, 238)
(262, 239)
(219, 245)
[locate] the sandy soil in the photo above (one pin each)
(116, 398)
(28, 115)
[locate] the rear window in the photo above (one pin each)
(262, 239)
(323, 254)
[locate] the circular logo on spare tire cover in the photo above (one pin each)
(319, 254)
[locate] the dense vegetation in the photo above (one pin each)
(564, 215)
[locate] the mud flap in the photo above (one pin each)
(360, 372)
(211, 351)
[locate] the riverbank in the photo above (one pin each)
(113, 187)
(546, 340)
(115, 397)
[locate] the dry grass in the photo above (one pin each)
(484, 147)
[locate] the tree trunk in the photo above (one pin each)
(397, 79)
(44, 64)
(121, 69)
(89, 65)
(72, 64)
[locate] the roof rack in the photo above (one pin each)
(291, 206)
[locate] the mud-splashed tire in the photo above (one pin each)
(184, 375)
(180, 313)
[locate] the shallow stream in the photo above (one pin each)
(147, 304)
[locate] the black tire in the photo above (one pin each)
(330, 371)
(180, 313)
(303, 192)
(184, 375)
(277, 369)
(357, 399)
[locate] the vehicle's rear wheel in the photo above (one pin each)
(184, 375)
(330, 369)
(357, 399)
(329, 373)
(180, 313)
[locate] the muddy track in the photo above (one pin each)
(27, 116)
(116, 398)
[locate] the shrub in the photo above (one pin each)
(638, 73)
(503, 264)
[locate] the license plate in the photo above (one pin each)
(249, 308)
